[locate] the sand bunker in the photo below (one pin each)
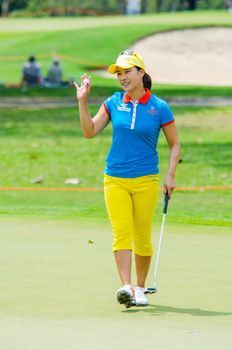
(192, 56)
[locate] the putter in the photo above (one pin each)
(165, 209)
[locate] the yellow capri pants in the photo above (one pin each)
(131, 204)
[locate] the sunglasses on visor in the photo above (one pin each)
(128, 53)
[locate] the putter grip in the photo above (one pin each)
(166, 199)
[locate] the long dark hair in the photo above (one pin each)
(147, 83)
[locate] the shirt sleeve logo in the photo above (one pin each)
(123, 108)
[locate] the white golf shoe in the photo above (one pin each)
(139, 296)
(125, 295)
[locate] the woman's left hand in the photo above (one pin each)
(169, 184)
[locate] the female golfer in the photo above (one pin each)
(131, 175)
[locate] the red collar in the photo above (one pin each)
(142, 99)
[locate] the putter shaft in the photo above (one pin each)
(154, 289)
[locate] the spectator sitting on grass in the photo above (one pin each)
(229, 4)
(31, 73)
(54, 78)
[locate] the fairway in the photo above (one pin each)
(58, 283)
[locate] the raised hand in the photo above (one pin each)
(83, 91)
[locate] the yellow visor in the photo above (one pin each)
(127, 59)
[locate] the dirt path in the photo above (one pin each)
(34, 102)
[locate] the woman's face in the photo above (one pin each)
(130, 79)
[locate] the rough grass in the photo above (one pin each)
(49, 142)
(194, 207)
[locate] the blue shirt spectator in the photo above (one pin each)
(31, 72)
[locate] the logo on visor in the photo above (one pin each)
(123, 108)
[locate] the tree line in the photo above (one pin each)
(93, 7)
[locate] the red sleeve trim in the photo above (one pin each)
(106, 109)
(172, 121)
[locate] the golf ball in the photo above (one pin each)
(85, 82)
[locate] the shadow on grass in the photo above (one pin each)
(160, 310)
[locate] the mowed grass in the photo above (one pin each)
(58, 289)
(75, 23)
(49, 142)
(81, 42)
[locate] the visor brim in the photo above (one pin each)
(113, 68)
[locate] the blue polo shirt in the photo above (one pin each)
(136, 128)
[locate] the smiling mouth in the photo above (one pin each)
(126, 84)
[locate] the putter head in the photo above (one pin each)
(150, 290)
(132, 303)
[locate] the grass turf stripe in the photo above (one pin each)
(100, 189)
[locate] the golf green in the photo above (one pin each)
(58, 283)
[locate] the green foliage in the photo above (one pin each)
(211, 4)
(72, 7)
(92, 7)
(35, 5)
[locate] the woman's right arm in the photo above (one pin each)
(90, 126)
